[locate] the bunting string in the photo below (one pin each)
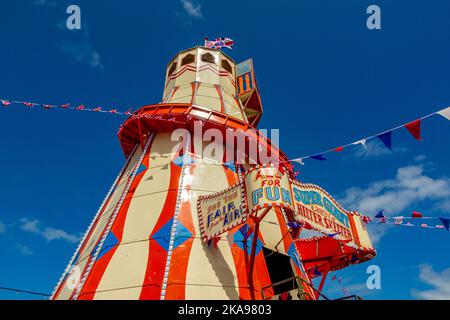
(413, 127)
(6, 103)
(380, 218)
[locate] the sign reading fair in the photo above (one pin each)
(221, 211)
(268, 187)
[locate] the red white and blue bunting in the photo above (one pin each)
(7, 103)
(417, 217)
(413, 127)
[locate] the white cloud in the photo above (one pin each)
(34, 226)
(45, 3)
(375, 148)
(359, 289)
(439, 281)
(24, 250)
(29, 225)
(83, 52)
(377, 232)
(2, 227)
(420, 158)
(409, 186)
(192, 9)
(55, 234)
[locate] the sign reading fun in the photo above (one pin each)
(267, 187)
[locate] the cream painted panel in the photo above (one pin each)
(126, 269)
(207, 75)
(227, 85)
(233, 111)
(217, 269)
(109, 209)
(128, 264)
(186, 78)
(271, 232)
(212, 103)
(119, 294)
(183, 92)
(168, 90)
(66, 292)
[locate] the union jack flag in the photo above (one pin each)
(219, 43)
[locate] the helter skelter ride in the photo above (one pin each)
(178, 224)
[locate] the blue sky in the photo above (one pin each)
(325, 80)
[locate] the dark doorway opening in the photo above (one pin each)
(281, 274)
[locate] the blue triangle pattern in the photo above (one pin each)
(239, 240)
(109, 243)
(179, 161)
(292, 252)
(141, 168)
(230, 165)
(162, 236)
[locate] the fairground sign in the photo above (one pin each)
(267, 187)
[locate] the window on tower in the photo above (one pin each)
(208, 57)
(227, 66)
(172, 68)
(189, 58)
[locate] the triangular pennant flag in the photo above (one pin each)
(414, 129)
(80, 107)
(424, 225)
(379, 215)
(318, 157)
(97, 109)
(361, 142)
(445, 222)
(317, 272)
(338, 149)
(398, 220)
(366, 219)
(28, 104)
(386, 138)
(65, 106)
(416, 214)
(47, 106)
(113, 111)
(293, 224)
(333, 278)
(6, 102)
(445, 113)
(333, 234)
(299, 160)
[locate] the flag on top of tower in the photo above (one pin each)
(219, 43)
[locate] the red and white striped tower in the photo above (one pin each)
(145, 241)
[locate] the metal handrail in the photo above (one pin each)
(293, 278)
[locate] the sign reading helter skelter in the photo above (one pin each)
(265, 187)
